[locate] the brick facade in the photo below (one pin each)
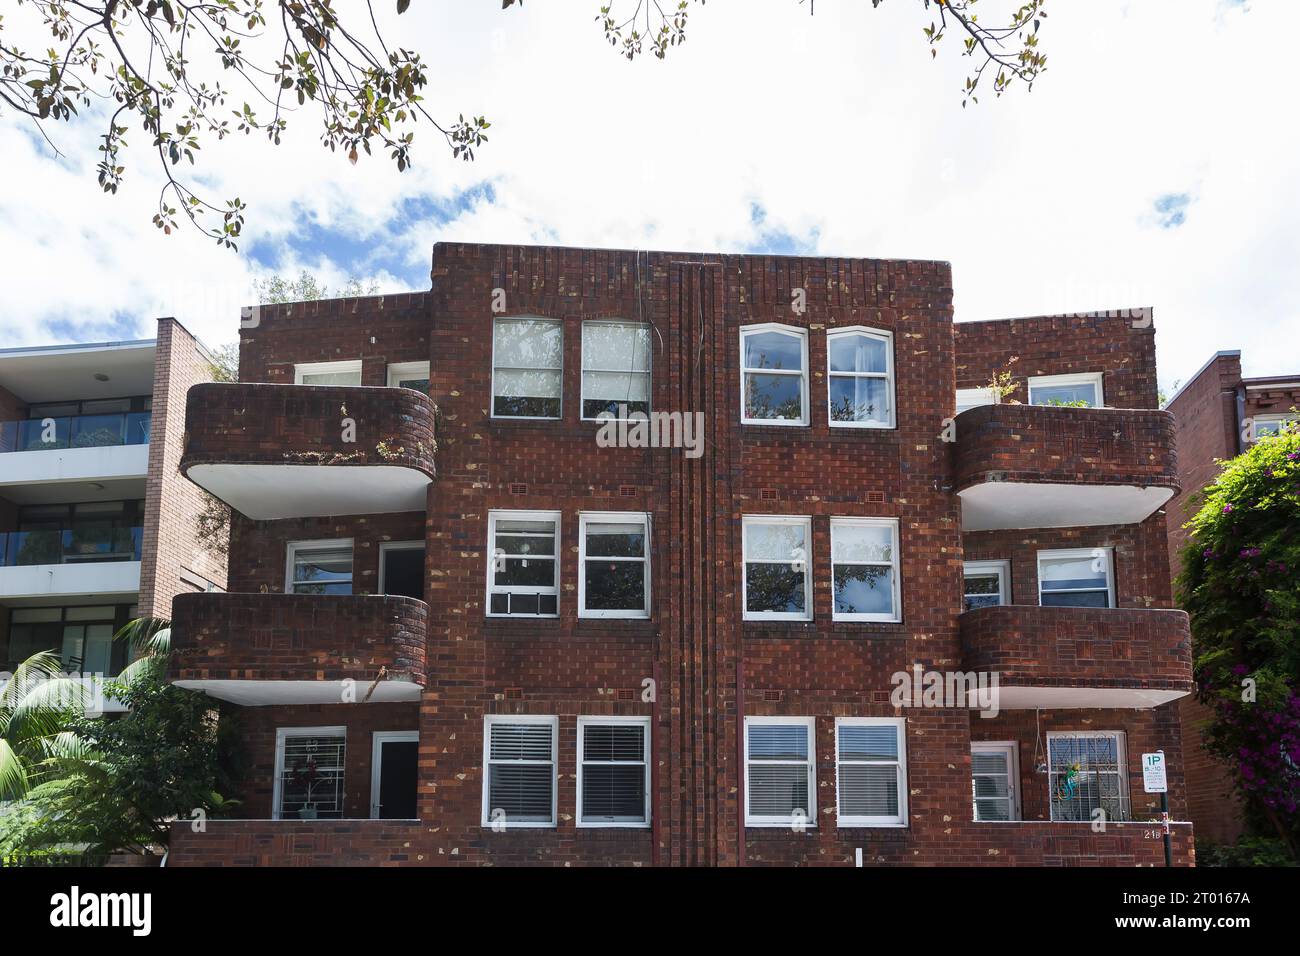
(710, 668)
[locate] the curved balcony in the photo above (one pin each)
(1034, 466)
(257, 649)
(302, 451)
(1055, 657)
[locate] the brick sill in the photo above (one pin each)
(759, 630)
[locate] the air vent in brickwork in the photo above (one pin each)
(514, 693)
(773, 696)
(627, 491)
(626, 693)
(880, 697)
(518, 488)
(767, 494)
(876, 497)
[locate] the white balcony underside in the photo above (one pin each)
(270, 492)
(263, 693)
(35, 477)
(1077, 698)
(999, 505)
(106, 581)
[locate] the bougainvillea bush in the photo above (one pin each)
(1240, 585)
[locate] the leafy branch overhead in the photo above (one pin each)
(1008, 51)
(187, 72)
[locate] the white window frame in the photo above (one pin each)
(900, 724)
(582, 372)
(378, 739)
(644, 723)
(803, 373)
(1121, 761)
(386, 546)
(1012, 750)
(281, 735)
(748, 615)
(786, 821)
(1074, 378)
(493, 515)
(887, 375)
(621, 517)
(1079, 553)
(554, 722)
(492, 397)
(406, 370)
(1000, 567)
(293, 547)
(895, 564)
(1272, 418)
(975, 397)
(319, 368)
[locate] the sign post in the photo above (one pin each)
(1154, 781)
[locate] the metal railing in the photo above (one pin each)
(76, 431)
(69, 546)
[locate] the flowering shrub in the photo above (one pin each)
(1240, 585)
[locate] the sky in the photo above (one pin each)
(1153, 164)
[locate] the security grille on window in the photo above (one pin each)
(615, 369)
(774, 384)
(860, 378)
(864, 566)
(523, 570)
(986, 584)
(615, 566)
(527, 368)
(309, 774)
(1075, 578)
(871, 777)
(519, 784)
(777, 568)
(323, 567)
(1086, 773)
(993, 781)
(613, 771)
(780, 779)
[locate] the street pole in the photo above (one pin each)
(1164, 817)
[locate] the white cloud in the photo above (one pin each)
(838, 126)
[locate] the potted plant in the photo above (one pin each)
(308, 777)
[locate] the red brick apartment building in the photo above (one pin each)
(462, 630)
(96, 523)
(1218, 413)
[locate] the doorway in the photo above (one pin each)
(393, 781)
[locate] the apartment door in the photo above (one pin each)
(393, 775)
(401, 568)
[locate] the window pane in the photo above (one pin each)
(859, 399)
(778, 741)
(607, 345)
(858, 353)
(1087, 571)
(982, 584)
(523, 791)
(988, 761)
(774, 397)
(626, 387)
(867, 741)
(777, 790)
(312, 775)
(613, 742)
(613, 794)
(525, 537)
(775, 588)
(530, 741)
(773, 350)
(527, 343)
(615, 586)
(864, 589)
(332, 378)
(775, 542)
(527, 392)
(992, 810)
(615, 539)
(324, 571)
(525, 573)
(867, 790)
(1065, 394)
(855, 542)
(1076, 599)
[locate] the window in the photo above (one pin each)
(519, 772)
(860, 366)
(777, 556)
(615, 369)
(613, 771)
(414, 375)
(870, 772)
(401, 568)
(968, 398)
(328, 373)
(780, 777)
(82, 636)
(994, 781)
(1268, 426)
(309, 772)
(773, 380)
(987, 584)
(527, 368)
(320, 567)
(1083, 389)
(1086, 772)
(1080, 577)
(614, 555)
(523, 565)
(864, 569)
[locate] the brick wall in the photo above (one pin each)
(174, 558)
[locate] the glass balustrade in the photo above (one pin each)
(76, 431)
